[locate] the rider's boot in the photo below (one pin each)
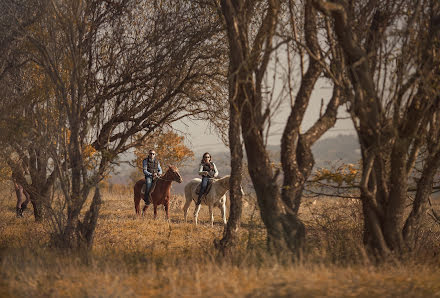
(147, 198)
(199, 199)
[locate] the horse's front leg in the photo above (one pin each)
(167, 206)
(211, 214)
(185, 208)
(137, 208)
(196, 213)
(155, 211)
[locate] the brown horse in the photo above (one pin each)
(161, 192)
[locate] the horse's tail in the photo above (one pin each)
(137, 195)
(137, 189)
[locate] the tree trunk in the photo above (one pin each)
(86, 228)
(248, 66)
(373, 237)
(266, 188)
(397, 197)
(424, 190)
(230, 235)
(79, 234)
(37, 205)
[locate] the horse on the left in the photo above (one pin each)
(160, 195)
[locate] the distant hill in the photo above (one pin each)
(342, 148)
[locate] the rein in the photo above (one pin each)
(160, 177)
(164, 179)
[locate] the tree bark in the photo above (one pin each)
(79, 234)
(37, 205)
(230, 235)
(86, 228)
(424, 190)
(244, 64)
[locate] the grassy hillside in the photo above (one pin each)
(141, 257)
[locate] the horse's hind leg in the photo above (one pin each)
(137, 209)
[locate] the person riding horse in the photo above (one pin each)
(152, 170)
(207, 170)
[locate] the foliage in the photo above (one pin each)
(335, 180)
(345, 174)
(169, 146)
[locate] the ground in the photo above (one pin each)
(136, 257)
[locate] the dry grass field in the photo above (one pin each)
(141, 257)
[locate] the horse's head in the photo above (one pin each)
(225, 183)
(174, 174)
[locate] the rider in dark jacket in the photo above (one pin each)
(207, 170)
(152, 169)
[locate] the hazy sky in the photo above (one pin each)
(200, 138)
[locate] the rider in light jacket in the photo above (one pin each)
(207, 170)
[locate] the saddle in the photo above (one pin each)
(153, 186)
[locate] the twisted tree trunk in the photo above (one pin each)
(230, 235)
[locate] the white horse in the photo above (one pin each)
(215, 198)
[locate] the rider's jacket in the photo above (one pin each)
(210, 168)
(151, 166)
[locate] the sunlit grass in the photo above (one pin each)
(134, 257)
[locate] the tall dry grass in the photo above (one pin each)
(135, 257)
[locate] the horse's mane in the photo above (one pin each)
(174, 168)
(170, 169)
